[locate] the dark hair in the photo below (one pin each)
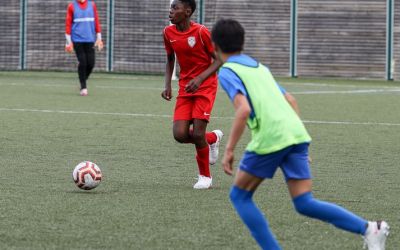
(190, 3)
(228, 35)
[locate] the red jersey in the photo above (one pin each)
(193, 50)
(70, 17)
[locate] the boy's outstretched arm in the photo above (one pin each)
(242, 113)
(169, 69)
(194, 84)
(292, 101)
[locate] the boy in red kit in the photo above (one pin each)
(83, 33)
(191, 43)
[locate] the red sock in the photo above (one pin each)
(203, 161)
(211, 138)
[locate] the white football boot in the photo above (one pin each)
(376, 234)
(203, 182)
(214, 148)
(84, 92)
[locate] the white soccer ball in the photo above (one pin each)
(87, 175)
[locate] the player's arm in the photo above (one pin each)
(290, 99)
(69, 47)
(169, 69)
(194, 84)
(293, 102)
(242, 113)
(99, 42)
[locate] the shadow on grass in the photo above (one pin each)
(91, 192)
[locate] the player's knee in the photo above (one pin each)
(82, 65)
(237, 195)
(180, 137)
(198, 136)
(232, 194)
(90, 65)
(303, 203)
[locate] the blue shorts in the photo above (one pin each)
(293, 161)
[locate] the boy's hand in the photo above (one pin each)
(193, 85)
(227, 162)
(99, 45)
(166, 94)
(69, 48)
(69, 45)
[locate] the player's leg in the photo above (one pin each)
(202, 156)
(202, 108)
(306, 204)
(252, 171)
(211, 137)
(90, 58)
(241, 196)
(180, 131)
(297, 173)
(182, 119)
(82, 63)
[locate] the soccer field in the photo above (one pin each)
(146, 199)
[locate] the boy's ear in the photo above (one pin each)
(189, 11)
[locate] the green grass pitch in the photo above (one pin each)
(146, 200)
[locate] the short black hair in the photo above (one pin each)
(190, 3)
(228, 35)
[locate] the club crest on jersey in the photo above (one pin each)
(192, 41)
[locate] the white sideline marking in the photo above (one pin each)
(310, 92)
(170, 116)
(83, 112)
(357, 91)
(70, 86)
(352, 123)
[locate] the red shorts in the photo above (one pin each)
(189, 107)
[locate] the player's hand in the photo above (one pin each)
(309, 159)
(99, 45)
(193, 85)
(227, 162)
(167, 94)
(69, 48)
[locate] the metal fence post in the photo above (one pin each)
(22, 35)
(110, 42)
(389, 39)
(201, 12)
(293, 38)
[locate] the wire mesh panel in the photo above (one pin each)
(138, 42)
(45, 38)
(342, 38)
(10, 35)
(396, 46)
(267, 25)
(335, 38)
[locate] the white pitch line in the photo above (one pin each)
(170, 116)
(356, 91)
(311, 92)
(352, 123)
(83, 112)
(70, 86)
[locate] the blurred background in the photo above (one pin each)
(352, 38)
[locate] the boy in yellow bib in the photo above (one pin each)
(279, 140)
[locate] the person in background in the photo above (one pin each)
(83, 34)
